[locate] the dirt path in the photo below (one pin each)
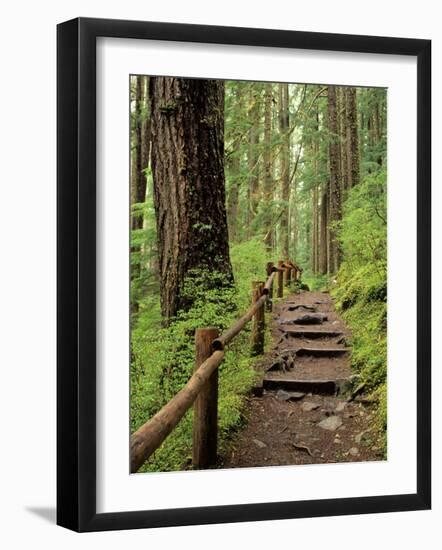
(301, 414)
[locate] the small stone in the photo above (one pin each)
(310, 319)
(337, 441)
(359, 437)
(330, 423)
(308, 406)
(296, 395)
(340, 406)
(282, 395)
(354, 451)
(259, 443)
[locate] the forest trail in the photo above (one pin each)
(302, 413)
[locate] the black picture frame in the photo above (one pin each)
(76, 274)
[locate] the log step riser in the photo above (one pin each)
(313, 334)
(323, 387)
(303, 352)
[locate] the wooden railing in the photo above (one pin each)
(202, 388)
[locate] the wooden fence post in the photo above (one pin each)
(205, 408)
(280, 279)
(288, 275)
(269, 270)
(258, 322)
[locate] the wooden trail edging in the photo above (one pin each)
(202, 388)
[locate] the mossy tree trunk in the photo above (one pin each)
(189, 191)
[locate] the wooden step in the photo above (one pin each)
(322, 352)
(323, 387)
(311, 333)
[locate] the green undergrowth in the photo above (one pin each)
(163, 357)
(360, 290)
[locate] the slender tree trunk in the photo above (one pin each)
(139, 179)
(314, 193)
(139, 162)
(235, 175)
(189, 195)
(342, 118)
(233, 197)
(284, 124)
(323, 237)
(352, 144)
(252, 156)
(267, 190)
(335, 212)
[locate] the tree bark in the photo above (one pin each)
(267, 190)
(343, 138)
(189, 194)
(323, 237)
(253, 157)
(235, 177)
(284, 124)
(335, 212)
(352, 138)
(314, 195)
(142, 147)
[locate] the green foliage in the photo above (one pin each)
(361, 288)
(163, 357)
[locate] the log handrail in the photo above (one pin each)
(149, 437)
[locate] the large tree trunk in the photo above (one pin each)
(189, 195)
(284, 123)
(335, 212)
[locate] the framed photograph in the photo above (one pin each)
(243, 274)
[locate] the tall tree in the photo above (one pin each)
(140, 141)
(254, 114)
(141, 150)
(341, 96)
(335, 207)
(268, 169)
(189, 194)
(284, 124)
(234, 164)
(352, 139)
(323, 235)
(315, 214)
